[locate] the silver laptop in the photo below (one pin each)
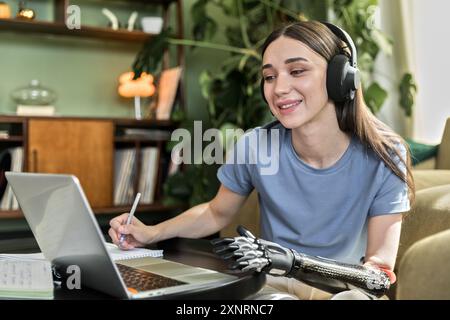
(67, 232)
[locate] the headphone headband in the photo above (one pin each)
(344, 36)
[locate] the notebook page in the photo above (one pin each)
(117, 254)
(26, 279)
(23, 256)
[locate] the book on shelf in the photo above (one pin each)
(10, 160)
(167, 91)
(29, 110)
(124, 171)
(149, 174)
(125, 175)
(4, 134)
(175, 160)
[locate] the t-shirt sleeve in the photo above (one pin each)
(236, 172)
(392, 197)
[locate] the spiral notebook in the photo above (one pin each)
(25, 278)
(117, 254)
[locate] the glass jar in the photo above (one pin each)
(34, 94)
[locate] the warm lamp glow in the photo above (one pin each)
(141, 87)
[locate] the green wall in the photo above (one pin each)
(84, 72)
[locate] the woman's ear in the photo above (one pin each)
(261, 87)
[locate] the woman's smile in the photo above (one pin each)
(288, 106)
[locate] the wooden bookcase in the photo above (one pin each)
(89, 143)
(85, 147)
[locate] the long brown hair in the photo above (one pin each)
(353, 116)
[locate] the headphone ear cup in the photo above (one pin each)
(336, 74)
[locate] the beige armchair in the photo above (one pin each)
(423, 260)
(424, 252)
(421, 266)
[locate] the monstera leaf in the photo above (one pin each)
(375, 97)
(149, 57)
(408, 90)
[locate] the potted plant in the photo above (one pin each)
(233, 96)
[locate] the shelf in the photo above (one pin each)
(44, 27)
(144, 123)
(11, 214)
(12, 138)
(122, 122)
(134, 140)
(156, 207)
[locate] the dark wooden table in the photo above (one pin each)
(193, 252)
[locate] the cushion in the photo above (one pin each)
(423, 272)
(421, 152)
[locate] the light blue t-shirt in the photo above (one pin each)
(321, 212)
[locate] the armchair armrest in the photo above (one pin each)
(423, 271)
(430, 178)
(430, 215)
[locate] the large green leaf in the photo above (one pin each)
(375, 96)
(408, 90)
(383, 41)
(203, 26)
(149, 57)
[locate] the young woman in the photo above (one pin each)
(343, 180)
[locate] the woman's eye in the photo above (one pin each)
(268, 78)
(297, 72)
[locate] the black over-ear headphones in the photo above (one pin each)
(343, 76)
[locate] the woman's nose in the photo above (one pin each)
(282, 86)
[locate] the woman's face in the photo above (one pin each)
(294, 81)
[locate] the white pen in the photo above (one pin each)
(130, 216)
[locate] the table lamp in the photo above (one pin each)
(140, 87)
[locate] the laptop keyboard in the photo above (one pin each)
(141, 280)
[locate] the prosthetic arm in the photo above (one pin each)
(247, 253)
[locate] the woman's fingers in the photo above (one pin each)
(113, 234)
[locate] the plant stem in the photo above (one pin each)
(242, 24)
(269, 18)
(281, 9)
(209, 45)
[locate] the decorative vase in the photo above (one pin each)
(34, 95)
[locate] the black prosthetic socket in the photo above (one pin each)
(333, 276)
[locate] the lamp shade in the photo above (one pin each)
(140, 87)
(5, 11)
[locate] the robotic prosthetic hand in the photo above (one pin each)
(248, 253)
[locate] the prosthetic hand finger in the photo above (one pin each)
(248, 255)
(223, 246)
(220, 250)
(221, 241)
(232, 255)
(245, 232)
(256, 264)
